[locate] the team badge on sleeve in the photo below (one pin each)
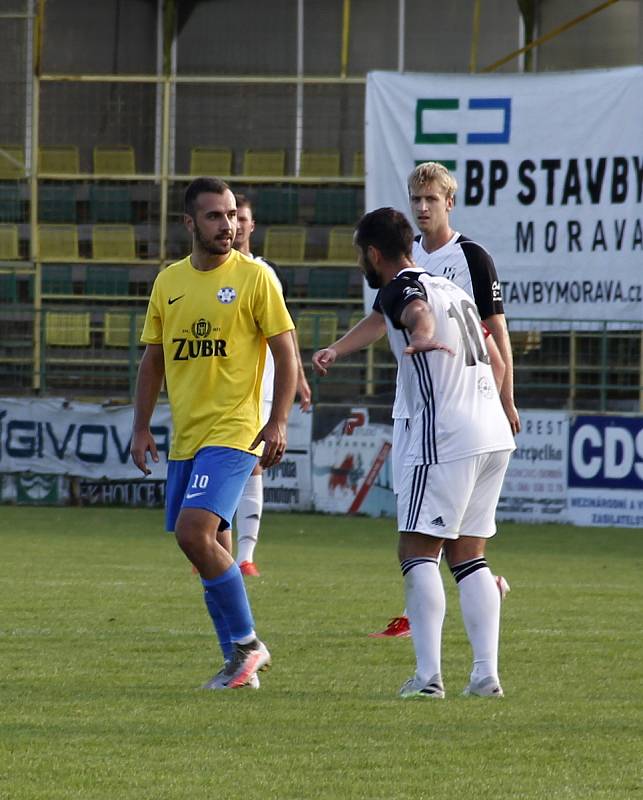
(226, 295)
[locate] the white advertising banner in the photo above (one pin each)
(352, 468)
(84, 440)
(550, 176)
(92, 442)
(535, 486)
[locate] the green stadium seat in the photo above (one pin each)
(326, 282)
(8, 287)
(275, 205)
(335, 206)
(12, 208)
(57, 279)
(107, 281)
(56, 203)
(110, 204)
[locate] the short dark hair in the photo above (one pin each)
(388, 230)
(243, 201)
(202, 186)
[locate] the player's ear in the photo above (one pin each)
(188, 222)
(373, 254)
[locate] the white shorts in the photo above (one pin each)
(401, 436)
(458, 498)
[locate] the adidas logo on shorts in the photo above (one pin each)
(438, 522)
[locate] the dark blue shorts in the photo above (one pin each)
(213, 480)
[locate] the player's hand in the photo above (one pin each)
(323, 360)
(424, 344)
(512, 414)
(142, 442)
(273, 435)
(304, 392)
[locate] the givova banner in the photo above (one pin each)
(85, 440)
(55, 437)
(550, 176)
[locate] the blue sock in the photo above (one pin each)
(220, 626)
(228, 594)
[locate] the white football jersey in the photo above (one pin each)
(455, 410)
(469, 266)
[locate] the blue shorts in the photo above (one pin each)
(214, 480)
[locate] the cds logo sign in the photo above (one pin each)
(606, 452)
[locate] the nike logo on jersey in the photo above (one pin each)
(190, 495)
(171, 300)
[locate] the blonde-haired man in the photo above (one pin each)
(442, 251)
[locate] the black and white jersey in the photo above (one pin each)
(469, 266)
(453, 404)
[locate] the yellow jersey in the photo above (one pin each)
(213, 326)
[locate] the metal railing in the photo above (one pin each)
(581, 365)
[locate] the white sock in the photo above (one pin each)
(426, 606)
(249, 518)
(480, 605)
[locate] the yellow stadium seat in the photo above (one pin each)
(316, 329)
(358, 164)
(67, 329)
(63, 160)
(12, 162)
(264, 162)
(523, 342)
(8, 242)
(340, 245)
(114, 241)
(285, 243)
(58, 242)
(320, 163)
(118, 328)
(211, 161)
(115, 160)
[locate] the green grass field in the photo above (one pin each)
(104, 640)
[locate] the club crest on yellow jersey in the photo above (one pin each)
(201, 328)
(226, 295)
